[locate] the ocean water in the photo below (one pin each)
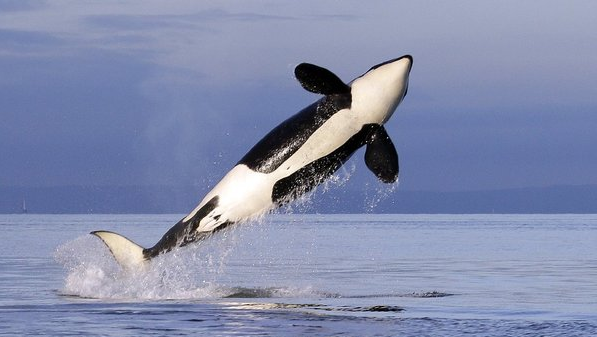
(297, 275)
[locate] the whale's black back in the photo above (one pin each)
(285, 139)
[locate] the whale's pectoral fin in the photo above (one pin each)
(319, 80)
(381, 156)
(128, 254)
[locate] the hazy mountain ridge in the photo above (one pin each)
(166, 199)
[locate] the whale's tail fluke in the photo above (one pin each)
(128, 254)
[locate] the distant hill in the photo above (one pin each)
(554, 199)
(160, 199)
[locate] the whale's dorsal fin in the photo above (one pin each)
(319, 80)
(381, 156)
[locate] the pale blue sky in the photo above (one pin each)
(502, 94)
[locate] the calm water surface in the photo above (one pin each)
(289, 275)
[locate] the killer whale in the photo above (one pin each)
(294, 157)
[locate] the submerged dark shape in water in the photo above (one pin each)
(295, 156)
(323, 307)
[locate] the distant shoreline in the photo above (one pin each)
(178, 200)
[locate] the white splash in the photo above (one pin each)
(203, 271)
(185, 273)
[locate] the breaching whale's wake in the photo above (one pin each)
(294, 157)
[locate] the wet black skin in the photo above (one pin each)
(285, 139)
